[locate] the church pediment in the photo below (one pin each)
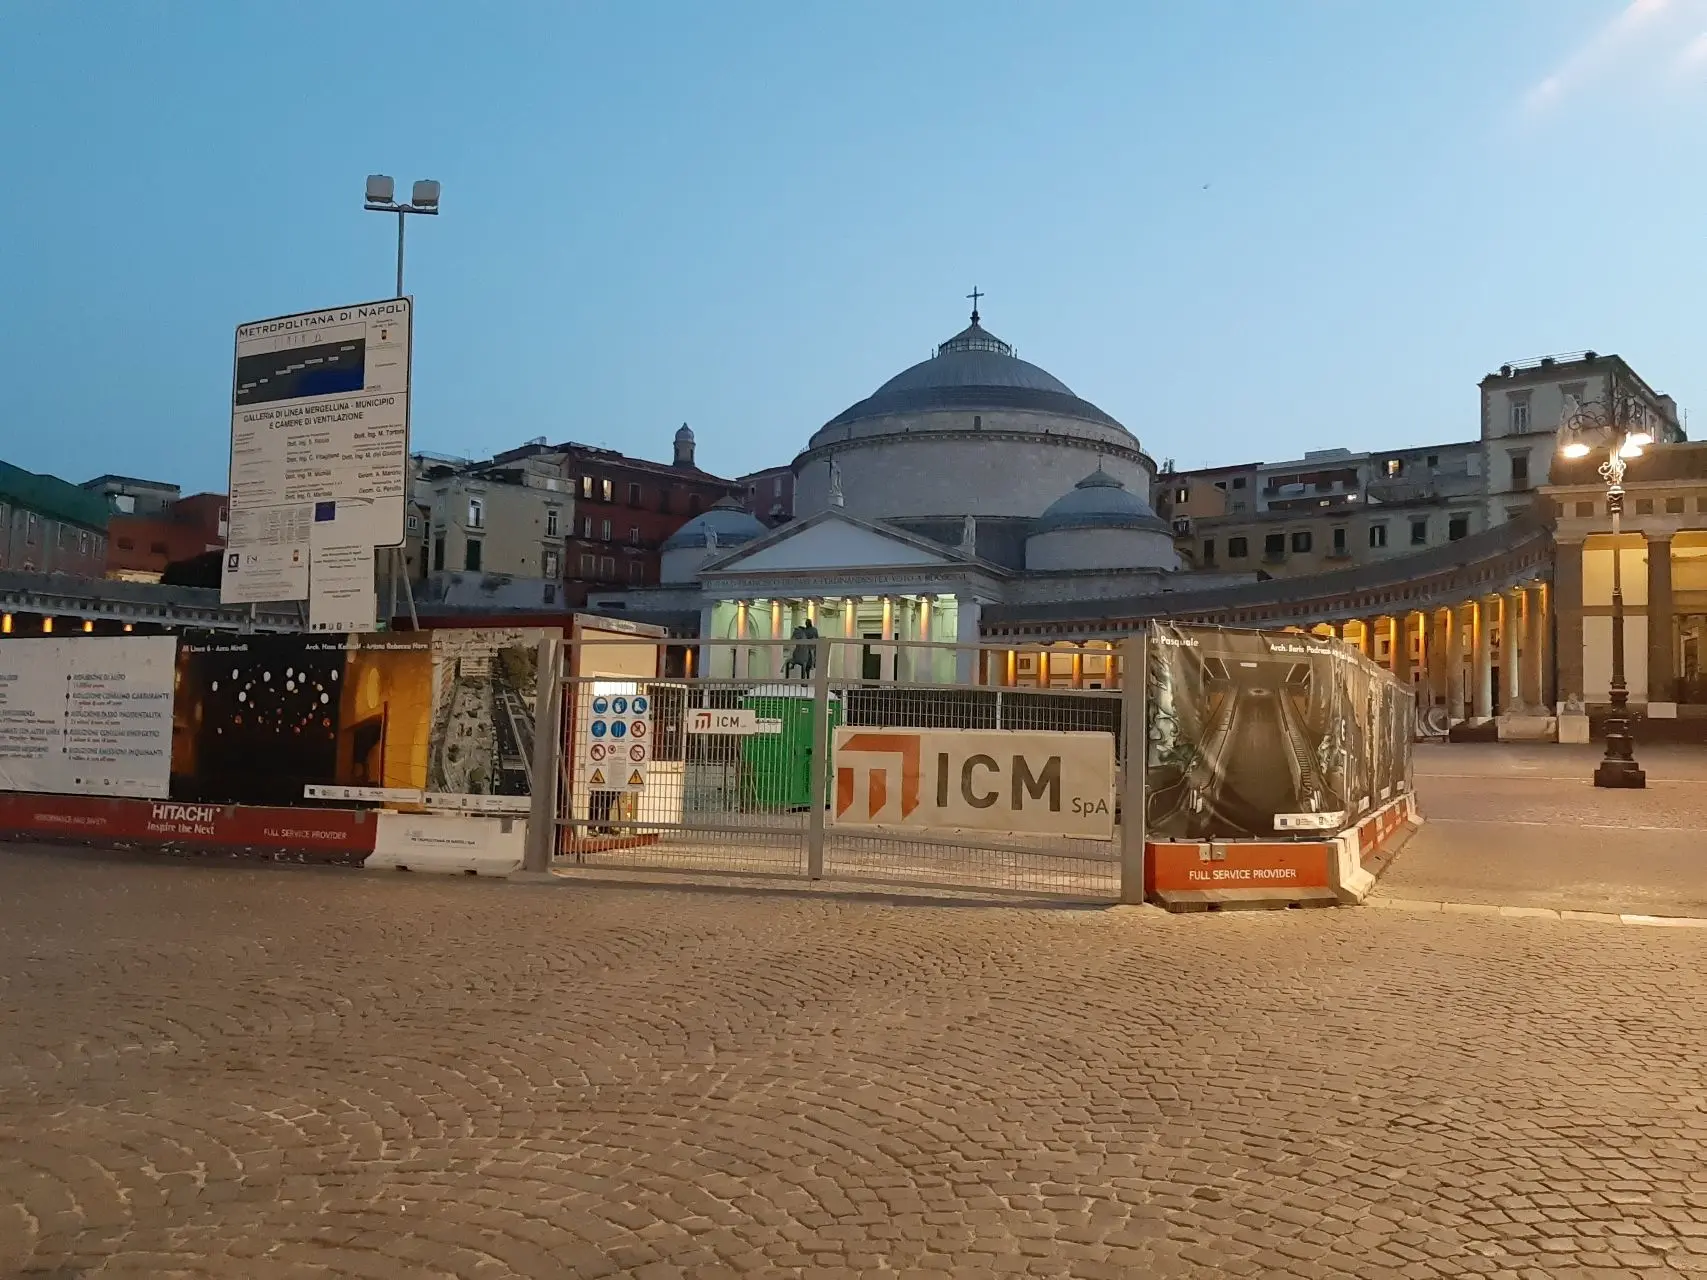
(829, 542)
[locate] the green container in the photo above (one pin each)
(776, 767)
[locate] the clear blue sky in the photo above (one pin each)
(747, 215)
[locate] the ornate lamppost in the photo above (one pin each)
(1617, 426)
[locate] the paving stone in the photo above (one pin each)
(210, 1070)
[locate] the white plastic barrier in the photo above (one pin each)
(448, 844)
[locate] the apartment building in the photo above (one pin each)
(1523, 403)
(769, 494)
(49, 525)
(141, 547)
(566, 518)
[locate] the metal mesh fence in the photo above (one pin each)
(726, 761)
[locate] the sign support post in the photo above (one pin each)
(818, 757)
(547, 761)
(1134, 702)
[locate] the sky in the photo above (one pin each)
(1246, 228)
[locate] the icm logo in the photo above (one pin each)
(893, 766)
(185, 812)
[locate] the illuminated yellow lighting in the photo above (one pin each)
(1640, 438)
(1576, 449)
(127, 626)
(5, 624)
(1630, 449)
(47, 624)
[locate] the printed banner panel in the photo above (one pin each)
(1252, 733)
(1003, 780)
(440, 718)
(89, 715)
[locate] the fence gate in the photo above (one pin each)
(732, 768)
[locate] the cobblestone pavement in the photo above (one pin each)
(214, 1070)
(1524, 826)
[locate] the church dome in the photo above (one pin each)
(972, 370)
(1100, 501)
(732, 525)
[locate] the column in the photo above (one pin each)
(738, 660)
(1512, 637)
(1568, 619)
(1533, 693)
(1662, 662)
(1436, 645)
(1454, 663)
(886, 663)
(702, 665)
(966, 612)
(1400, 648)
(1482, 670)
(1079, 666)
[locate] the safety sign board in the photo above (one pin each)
(618, 745)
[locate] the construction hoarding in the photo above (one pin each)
(1251, 734)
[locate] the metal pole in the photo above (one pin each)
(401, 219)
(547, 744)
(1134, 700)
(1618, 768)
(818, 758)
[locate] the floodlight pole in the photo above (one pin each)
(398, 568)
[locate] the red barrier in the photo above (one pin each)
(343, 836)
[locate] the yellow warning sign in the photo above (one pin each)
(636, 779)
(598, 778)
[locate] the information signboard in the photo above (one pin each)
(319, 415)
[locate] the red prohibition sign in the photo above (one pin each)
(596, 751)
(637, 729)
(637, 753)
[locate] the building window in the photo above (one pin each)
(664, 501)
(476, 513)
(1519, 417)
(589, 566)
(1209, 551)
(1433, 461)
(587, 528)
(607, 567)
(551, 593)
(1419, 533)
(604, 530)
(977, 422)
(1182, 526)
(606, 489)
(1182, 494)
(1377, 535)
(551, 522)
(1339, 541)
(471, 556)
(633, 494)
(1221, 485)
(1457, 527)
(1237, 548)
(125, 544)
(1394, 466)
(636, 571)
(1238, 482)
(1585, 509)
(1274, 546)
(1674, 506)
(586, 486)
(548, 565)
(413, 524)
(1644, 506)
(1520, 470)
(159, 548)
(30, 527)
(438, 554)
(634, 534)
(1301, 540)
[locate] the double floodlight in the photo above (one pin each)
(423, 196)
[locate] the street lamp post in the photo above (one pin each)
(1617, 426)
(381, 198)
(381, 193)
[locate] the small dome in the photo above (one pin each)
(1099, 501)
(684, 433)
(732, 524)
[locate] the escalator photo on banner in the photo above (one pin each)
(1252, 734)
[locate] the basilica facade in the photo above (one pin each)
(971, 481)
